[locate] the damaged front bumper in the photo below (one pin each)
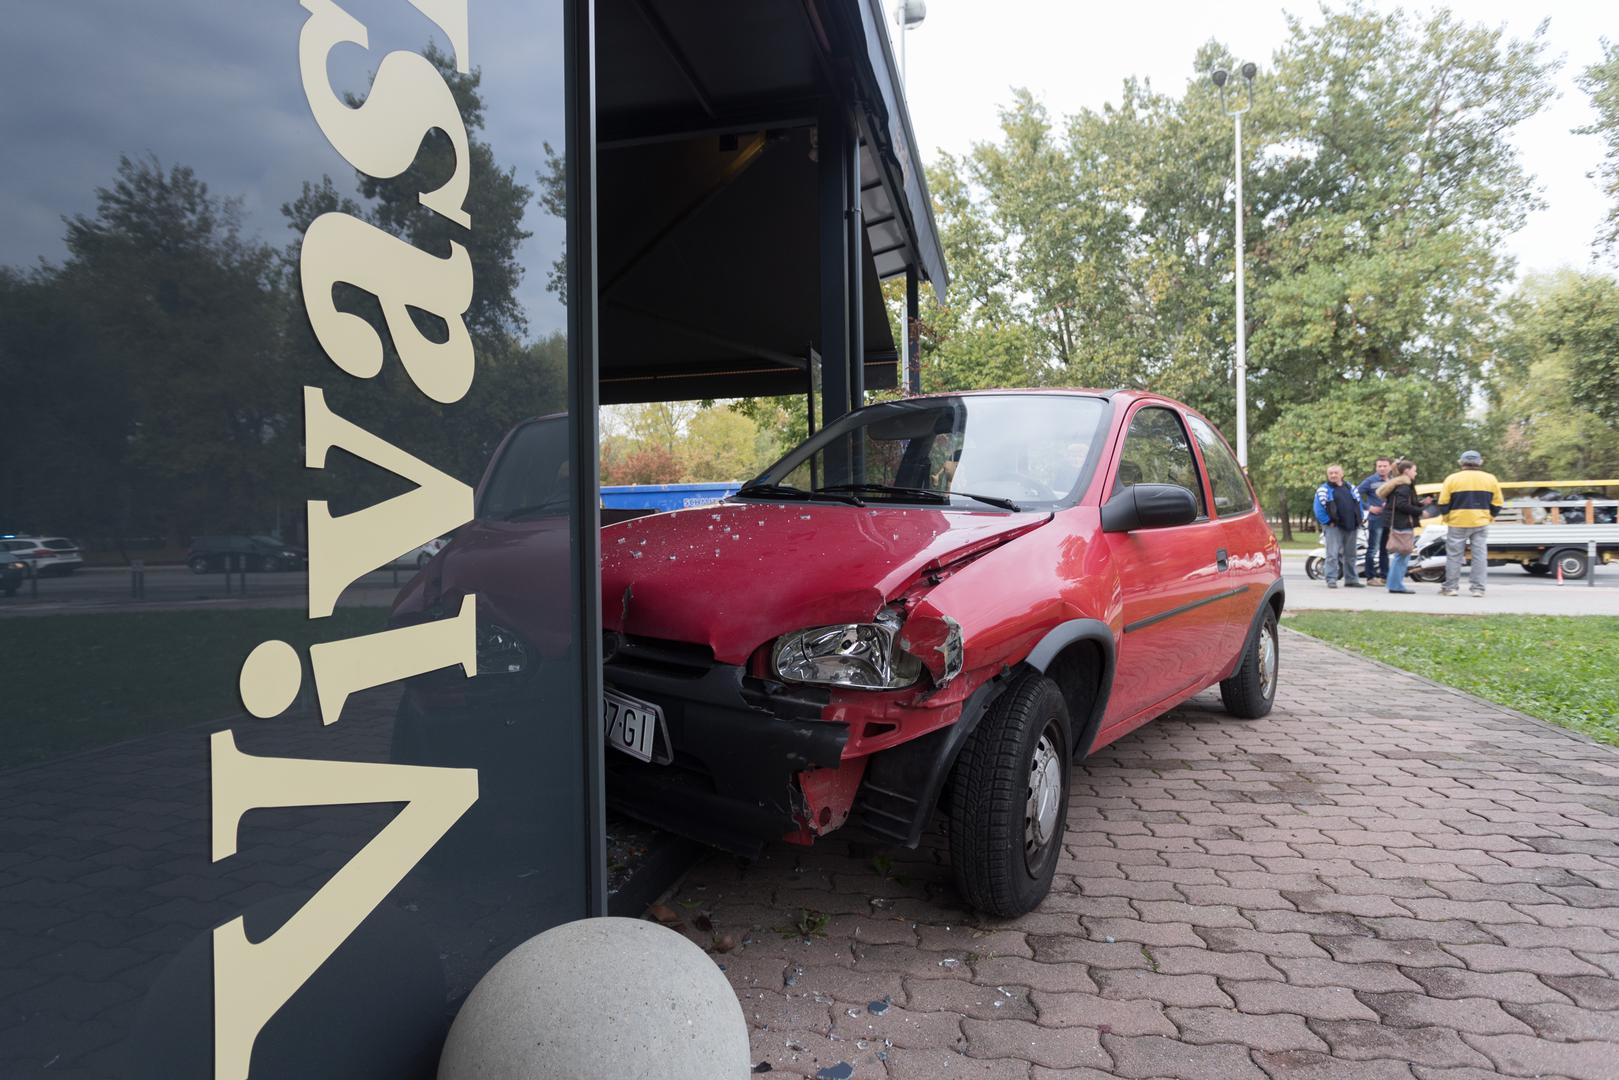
(739, 746)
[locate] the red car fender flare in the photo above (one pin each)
(1046, 651)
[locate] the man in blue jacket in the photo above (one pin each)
(1377, 556)
(1338, 511)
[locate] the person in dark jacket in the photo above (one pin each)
(1402, 511)
(1338, 511)
(1376, 571)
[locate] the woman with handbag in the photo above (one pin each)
(1404, 510)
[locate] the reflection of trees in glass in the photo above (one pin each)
(140, 374)
(151, 381)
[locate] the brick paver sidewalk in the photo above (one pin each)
(1382, 879)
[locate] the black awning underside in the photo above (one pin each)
(708, 224)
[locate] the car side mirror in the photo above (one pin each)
(1149, 506)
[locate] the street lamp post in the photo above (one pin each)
(1220, 77)
(908, 13)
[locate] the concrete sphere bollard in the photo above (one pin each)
(600, 999)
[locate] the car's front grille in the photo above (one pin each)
(656, 654)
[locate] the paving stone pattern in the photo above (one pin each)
(1382, 879)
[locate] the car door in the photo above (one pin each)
(1247, 539)
(1171, 579)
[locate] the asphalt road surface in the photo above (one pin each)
(93, 589)
(107, 588)
(1511, 591)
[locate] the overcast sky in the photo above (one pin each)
(967, 56)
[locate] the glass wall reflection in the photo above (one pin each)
(283, 365)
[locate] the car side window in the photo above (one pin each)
(1232, 495)
(1157, 451)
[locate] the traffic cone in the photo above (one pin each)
(1559, 573)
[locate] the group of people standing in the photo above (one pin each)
(1388, 503)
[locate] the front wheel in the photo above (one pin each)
(1251, 690)
(1313, 567)
(1009, 799)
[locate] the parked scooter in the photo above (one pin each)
(1315, 562)
(1428, 561)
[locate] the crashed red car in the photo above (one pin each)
(936, 603)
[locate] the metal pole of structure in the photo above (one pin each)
(1242, 322)
(1590, 561)
(1220, 77)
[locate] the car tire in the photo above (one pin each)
(1313, 567)
(198, 564)
(1572, 562)
(1009, 799)
(270, 564)
(1251, 690)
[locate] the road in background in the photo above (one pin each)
(106, 588)
(1511, 591)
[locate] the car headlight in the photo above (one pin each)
(500, 651)
(864, 656)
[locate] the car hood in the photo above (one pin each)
(735, 575)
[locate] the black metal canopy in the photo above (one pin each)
(711, 119)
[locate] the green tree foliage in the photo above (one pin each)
(1380, 179)
(1357, 422)
(1556, 383)
(686, 442)
(1601, 81)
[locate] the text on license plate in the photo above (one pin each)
(630, 724)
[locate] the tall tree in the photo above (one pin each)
(1601, 81)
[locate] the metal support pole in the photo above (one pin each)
(1591, 562)
(913, 362)
(1242, 321)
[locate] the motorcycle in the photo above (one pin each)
(1427, 562)
(1315, 562)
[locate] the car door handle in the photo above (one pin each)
(1221, 561)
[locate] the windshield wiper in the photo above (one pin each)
(936, 494)
(787, 491)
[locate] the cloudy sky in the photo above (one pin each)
(966, 57)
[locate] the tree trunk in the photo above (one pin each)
(1287, 514)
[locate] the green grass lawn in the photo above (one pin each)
(73, 682)
(1301, 542)
(1562, 668)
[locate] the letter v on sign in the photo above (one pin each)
(341, 549)
(253, 980)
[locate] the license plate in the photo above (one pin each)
(631, 725)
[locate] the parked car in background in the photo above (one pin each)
(214, 554)
(420, 556)
(45, 555)
(13, 572)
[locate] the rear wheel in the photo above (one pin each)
(1009, 799)
(1571, 562)
(1251, 690)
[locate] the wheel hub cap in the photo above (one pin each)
(1045, 797)
(1267, 663)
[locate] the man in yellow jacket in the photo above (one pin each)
(1469, 499)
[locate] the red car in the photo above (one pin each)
(936, 603)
